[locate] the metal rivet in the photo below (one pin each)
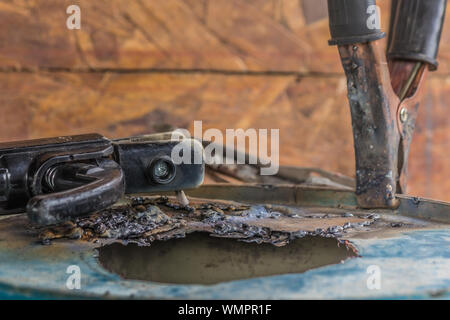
(403, 114)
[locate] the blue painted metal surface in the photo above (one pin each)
(414, 264)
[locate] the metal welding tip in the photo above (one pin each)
(182, 199)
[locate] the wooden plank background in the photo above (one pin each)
(139, 66)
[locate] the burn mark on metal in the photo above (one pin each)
(145, 219)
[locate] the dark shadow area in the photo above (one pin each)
(202, 259)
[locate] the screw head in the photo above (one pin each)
(162, 170)
(403, 114)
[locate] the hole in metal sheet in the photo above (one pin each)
(202, 259)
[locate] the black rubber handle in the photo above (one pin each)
(353, 21)
(98, 188)
(415, 30)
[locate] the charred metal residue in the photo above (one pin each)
(237, 226)
(396, 224)
(146, 219)
(141, 222)
(240, 227)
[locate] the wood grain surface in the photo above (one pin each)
(140, 66)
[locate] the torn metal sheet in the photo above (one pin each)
(143, 220)
(323, 197)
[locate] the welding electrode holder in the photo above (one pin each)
(384, 95)
(62, 178)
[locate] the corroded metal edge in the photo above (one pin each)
(415, 207)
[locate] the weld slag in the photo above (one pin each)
(145, 220)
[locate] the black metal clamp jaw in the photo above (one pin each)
(384, 95)
(61, 178)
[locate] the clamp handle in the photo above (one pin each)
(82, 188)
(415, 30)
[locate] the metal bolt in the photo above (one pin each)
(161, 169)
(403, 114)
